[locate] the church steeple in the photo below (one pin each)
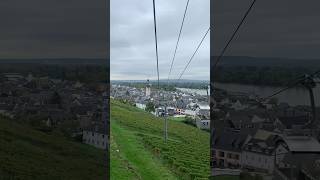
(148, 88)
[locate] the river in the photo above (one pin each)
(201, 92)
(293, 96)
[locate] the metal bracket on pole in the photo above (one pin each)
(309, 83)
(165, 124)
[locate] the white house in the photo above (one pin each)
(170, 111)
(225, 101)
(298, 155)
(159, 112)
(203, 110)
(238, 106)
(258, 161)
(259, 152)
(141, 105)
(203, 123)
(30, 77)
(13, 76)
(95, 138)
(190, 112)
(297, 145)
(227, 147)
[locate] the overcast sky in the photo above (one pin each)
(53, 29)
(132, 39)
(286, 28)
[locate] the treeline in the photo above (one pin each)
(164, 86)
(192, 85)
(82, 72)
(269, 76)
(153, 85)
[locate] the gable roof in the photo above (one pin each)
(288, 122)
(309, 163)
(302, 144)
(230, 140)
(263, 142)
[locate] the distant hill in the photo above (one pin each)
(267, 61)
(26, 154)
(263, 71)
(93, 61)
(162, 81)
(184, 83)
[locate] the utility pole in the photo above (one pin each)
(309, 83)
(165, 128)
(208, 96)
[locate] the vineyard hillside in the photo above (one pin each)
(186, 155)
(26, 154)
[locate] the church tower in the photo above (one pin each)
(148, 89)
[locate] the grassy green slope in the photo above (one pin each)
(139, 163)
(186, 152)
(181, 119)
(119, 166)
(225, 178)
(29, 154)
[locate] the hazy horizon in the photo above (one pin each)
(53, 29)
(155, 80)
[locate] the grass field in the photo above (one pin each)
(131, 156)
(225, 178)
(144, 155)
(180, 119)
(29, 154)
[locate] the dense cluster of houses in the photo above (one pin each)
(265, 138)
(171, 103)
(54, 103)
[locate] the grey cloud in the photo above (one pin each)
(286, 28)
(50, 28)
(132, 38)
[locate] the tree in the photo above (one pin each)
(56, 98)
(273, 101)
(189, 120)
(150, 107)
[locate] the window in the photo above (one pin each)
(102, 135)
(237, 156)
(92, 134)
(221, 162)
(213, 152)
(221, 153)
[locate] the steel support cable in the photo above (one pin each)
(156, 40)
(178, 40)
(233, 35)
(181, 74)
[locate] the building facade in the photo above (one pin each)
(148, 89)
(94, 138)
